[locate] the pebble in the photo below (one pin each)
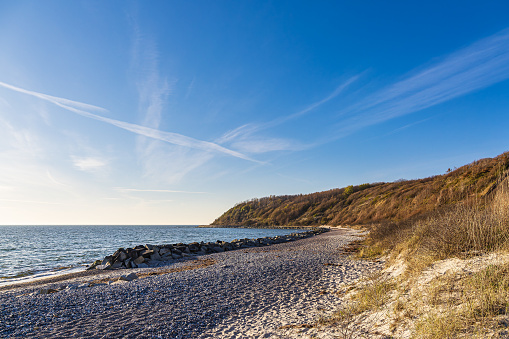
(256, 289)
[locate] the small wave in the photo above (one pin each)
(7, 249)
(60, 268)
(19, 275)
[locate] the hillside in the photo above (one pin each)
(368, 203)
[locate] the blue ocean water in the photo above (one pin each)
(31, 250)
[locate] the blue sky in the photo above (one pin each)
(170, 112)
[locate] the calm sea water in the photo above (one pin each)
(28, 251)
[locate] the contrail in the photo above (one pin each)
(248, 129)
(172, 138)
(53, 99)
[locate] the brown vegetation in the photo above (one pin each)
(463, 214)
(372, 203)
(457, 303)
(469, 228)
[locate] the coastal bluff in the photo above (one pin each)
(144, 256)
(370, 203)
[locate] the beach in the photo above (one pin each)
(276, 291)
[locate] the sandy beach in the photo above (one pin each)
(265, 292)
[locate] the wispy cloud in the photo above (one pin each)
(482, 64)
(66, 102)
(408, 126)
(342, 87)
(173, 138)
(89, 164)
(153, 91)
(240, 131)
(264, 145)
(52, 179)
(242, 135)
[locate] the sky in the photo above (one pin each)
(171, 112)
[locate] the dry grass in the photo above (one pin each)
(372, 203)
(462, 230)
(454, 305)
(371, 294)
(467, 307)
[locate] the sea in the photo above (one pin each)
(32, 252)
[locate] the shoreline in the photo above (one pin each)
(37, 272)
(263, 227)
(213, 296)
(54, 275)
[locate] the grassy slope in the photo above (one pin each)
(371, 203)
(460, 219)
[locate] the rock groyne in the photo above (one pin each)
(144, 256)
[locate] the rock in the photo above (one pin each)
(139, 260)
(94, 265)
(163, 251)
(194, 247)
(167, 256)
(146, 253)
(180, 248)
(132, 253)
(47, 291)
(117, 252)
(107, 259)
(129, 277)
(127, 263)
(117, 264)
(155, 256)
(122, 256)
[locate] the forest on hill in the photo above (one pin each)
(372, 202)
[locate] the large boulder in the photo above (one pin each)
(147, 253)
(122, 256)
(139, 260)
(155, 256)
(164, 250)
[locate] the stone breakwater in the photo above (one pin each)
(144, 256)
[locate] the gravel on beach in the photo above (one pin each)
(248, 293)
